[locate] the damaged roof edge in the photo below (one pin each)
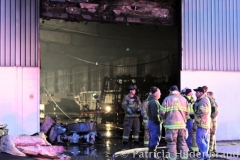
(161, 13)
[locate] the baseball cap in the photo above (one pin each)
(199, 89)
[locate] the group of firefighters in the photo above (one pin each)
(190, 125)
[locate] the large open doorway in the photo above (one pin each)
(86, 67)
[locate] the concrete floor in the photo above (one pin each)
(110, 143)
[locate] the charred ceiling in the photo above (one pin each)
(66, 44)
(150, 12)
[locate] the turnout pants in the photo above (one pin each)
(146, 133)
(129, 124)
(212, 143)
(176, 141)
(194, 142)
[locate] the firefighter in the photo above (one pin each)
(174, 112)
(154, 122)
(191, 139)
(183, 91)
(145, 120)
(202, 110)
(131, 105)
(214, 114)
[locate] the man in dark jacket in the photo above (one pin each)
(154, 121)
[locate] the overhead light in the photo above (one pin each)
(108, 108)
(108, 134)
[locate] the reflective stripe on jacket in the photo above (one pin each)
(174, 111)
(190, 103)
(202, 109)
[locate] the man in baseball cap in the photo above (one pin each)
(202, 111)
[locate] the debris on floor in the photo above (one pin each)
(37, 145)
(79, 132)
(3, 130)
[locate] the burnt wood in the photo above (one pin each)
(150, 12)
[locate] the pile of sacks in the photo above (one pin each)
(37, 145)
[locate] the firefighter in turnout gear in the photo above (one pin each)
(131, 105)
(202, 111)
(214, 114)
(191, 139)
(174, 112)
(213, 126)
(145, 120)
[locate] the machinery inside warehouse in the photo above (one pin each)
(91, 51)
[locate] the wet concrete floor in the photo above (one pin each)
(111, 142)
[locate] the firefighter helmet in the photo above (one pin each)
(132, 87)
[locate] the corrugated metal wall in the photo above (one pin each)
(19, 27)
(211, 35)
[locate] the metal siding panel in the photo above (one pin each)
(23, 33)
(186, 31)
(202, 32)
(228, 34)
(28, 33)
(37, 40)
(0, 33)
(225, 24)
(13, 33)
(185, 48)
(238, 35)
(235, 40)
(18, 34)
(193, 34)
(185, 41)
(205, 36)
(199, 35)
(231, 16)
(217, 51)
(214, 21)
(3, 33)
(19, 38)
(221, 36)
(210, 34)
(228, 37)
(33, 32)
(8, 33)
